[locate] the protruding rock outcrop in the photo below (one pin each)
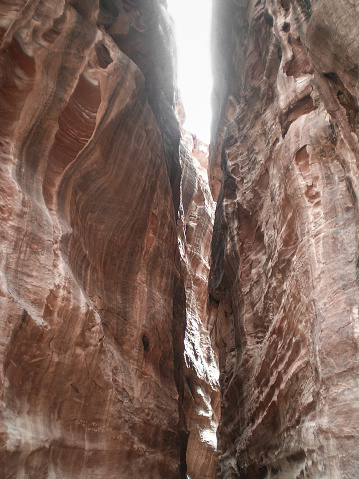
(284, 274)
(201, 398)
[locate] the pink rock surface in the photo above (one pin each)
(91, 285)
(284, 273)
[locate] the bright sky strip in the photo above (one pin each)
(192, 23)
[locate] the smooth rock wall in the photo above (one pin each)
(284, 275)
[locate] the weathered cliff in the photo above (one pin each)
(92, 283)
(285, 274)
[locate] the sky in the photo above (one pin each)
(192, 23)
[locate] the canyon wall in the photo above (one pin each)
(109, 340)
(94, 264)
(284, 279)
(201, 394)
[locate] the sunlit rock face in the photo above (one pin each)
(91, 281)
(201, 394)
(285, 272)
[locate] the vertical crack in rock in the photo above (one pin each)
(283, 280)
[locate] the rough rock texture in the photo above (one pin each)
(285, 271)
(91, 283)
(201, 400)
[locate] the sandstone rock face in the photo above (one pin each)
(91, 279)
(285, 273)
(201, 398)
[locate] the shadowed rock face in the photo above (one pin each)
(92, 281)
(284, 275)
(201, 393)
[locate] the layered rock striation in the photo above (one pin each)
(284, 276)
(92, 279)
(109, 341)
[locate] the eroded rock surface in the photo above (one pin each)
(201, 398)
(91, 283)
(284, 275)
